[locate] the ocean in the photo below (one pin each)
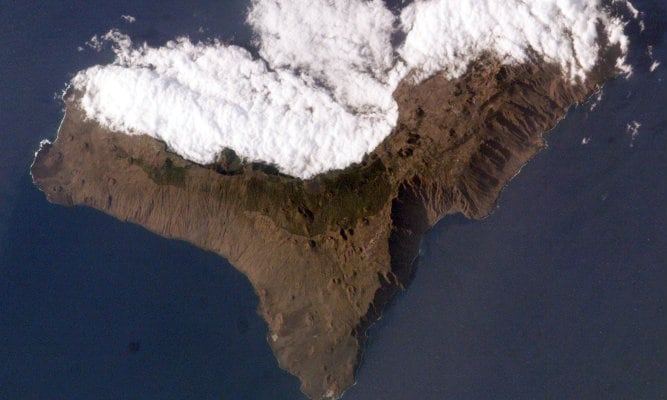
(560, 293)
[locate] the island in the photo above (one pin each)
(326, 254)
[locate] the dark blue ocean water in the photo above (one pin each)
(559, 294)
(92, 308)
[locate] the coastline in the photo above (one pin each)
(357, 272)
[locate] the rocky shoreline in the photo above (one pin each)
(326, 255)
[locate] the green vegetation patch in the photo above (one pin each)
(167, 174)
(336, 200)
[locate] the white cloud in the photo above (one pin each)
(94, 43)
(201, 98)
(121, 43)
(128, 18)
(320, 96)
(632, 129)
(345, 44)
(654, 66)
(448, 34)
(597, 100)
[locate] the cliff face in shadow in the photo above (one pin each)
(324, 255)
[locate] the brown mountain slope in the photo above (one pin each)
(325, 255)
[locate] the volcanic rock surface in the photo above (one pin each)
(325, 255)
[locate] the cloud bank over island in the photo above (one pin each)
(319, 96)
